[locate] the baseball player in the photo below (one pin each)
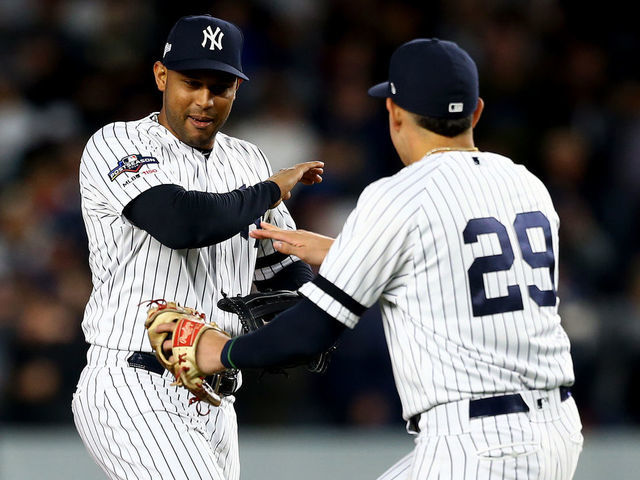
(461, 250)
(168, 202)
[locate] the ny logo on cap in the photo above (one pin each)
(214, 37)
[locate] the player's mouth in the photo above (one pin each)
(200, 121)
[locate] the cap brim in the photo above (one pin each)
(205, 64)
(380, 90)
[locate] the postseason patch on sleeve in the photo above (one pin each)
(131, 164)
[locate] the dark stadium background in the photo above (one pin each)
(561, 82)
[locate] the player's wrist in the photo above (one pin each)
(209, 351)
(225, 354)
(274, 190)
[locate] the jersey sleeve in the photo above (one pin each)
(367, 255)
(270, 261)
(120, 163)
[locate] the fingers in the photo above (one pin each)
(285, 248)
(262, 234)
(310, 165)
(269, 226)
(167, 348)
(273, 232)
(166, 327)
(312, 172)
(311, 176)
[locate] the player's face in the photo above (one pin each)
(195, 104)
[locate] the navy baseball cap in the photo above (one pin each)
(431, 77)
(203, 42)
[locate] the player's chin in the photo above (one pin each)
(200, 138)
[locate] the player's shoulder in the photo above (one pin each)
(389, 192)
(525, 177)
(517, 168)
(238, 145)
(404, 183)
(132, 130)
(117, 140)
(244, 152)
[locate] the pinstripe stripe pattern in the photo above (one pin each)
(404, 246)
(129, 266)
(131, 419)
(542, 444)
(126, 416)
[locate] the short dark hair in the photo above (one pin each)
(447, 127)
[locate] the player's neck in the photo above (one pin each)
(433, 143)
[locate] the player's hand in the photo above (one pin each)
(207, 353)
(306, 173)
(307, 246)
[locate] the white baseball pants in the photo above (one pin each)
(138, 427)
(541, 444)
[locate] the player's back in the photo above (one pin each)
(478, 290)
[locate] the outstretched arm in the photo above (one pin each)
(179, 218)
(307, 246)
(293, 337)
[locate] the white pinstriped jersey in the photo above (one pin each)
(129, 266)
(460, 248)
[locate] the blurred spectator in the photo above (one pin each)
(279, 127)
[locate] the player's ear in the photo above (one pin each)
(477, 112)
(395, 114)
(160, 73)
(238, 82)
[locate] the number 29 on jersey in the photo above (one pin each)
(504, 261)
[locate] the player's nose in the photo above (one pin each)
(204, 98)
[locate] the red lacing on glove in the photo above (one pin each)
(198, 401)
(161, 302)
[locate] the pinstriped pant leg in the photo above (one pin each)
(453, 447)
(88, 418)
(222, 434)
(570, 428)
(421, 463)
(563, 435)
(136, 426)
(399, 470)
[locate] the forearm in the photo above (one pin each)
(179, 218)
(294, 337)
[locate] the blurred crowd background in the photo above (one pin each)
(561, 82)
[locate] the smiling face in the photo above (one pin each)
(195, 104)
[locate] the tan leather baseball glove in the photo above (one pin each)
(190, 325)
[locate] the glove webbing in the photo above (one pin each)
(254, 312)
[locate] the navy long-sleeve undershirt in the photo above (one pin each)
(293, 337)
(178, 218)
